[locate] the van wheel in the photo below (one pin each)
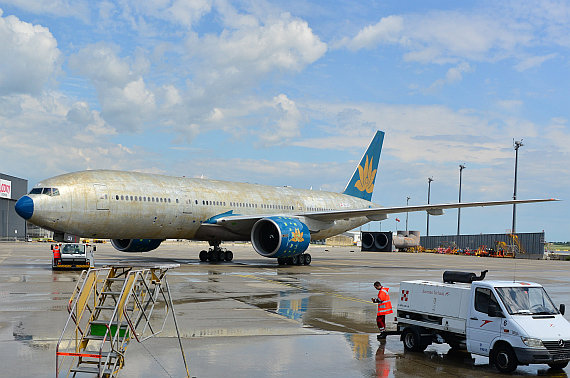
(412, 340)
(505, 359)
(558, 365)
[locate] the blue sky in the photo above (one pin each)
(291, 94)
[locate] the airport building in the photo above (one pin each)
(12, 226)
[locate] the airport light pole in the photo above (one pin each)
(407, 201)
(461, 168)
(430, 179)
(518, 144)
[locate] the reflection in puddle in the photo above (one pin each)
(293, 308)
(360, 345)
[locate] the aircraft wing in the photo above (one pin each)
(435, 209)
(243, 223)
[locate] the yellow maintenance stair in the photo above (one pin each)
(108, 308)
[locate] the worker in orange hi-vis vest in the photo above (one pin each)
(56, 254)
(384, 308)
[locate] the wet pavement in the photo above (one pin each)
(253, 318)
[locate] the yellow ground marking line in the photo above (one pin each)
(345, 297)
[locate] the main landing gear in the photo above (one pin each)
(302, 259)
(215, 254)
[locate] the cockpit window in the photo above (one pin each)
(49, 191)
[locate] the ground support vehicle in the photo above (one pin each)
(511, 322)
(74, 256)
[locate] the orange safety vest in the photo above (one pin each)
(385, 306)
(56, 253)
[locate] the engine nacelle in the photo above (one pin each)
(280, 237)
(136, 245)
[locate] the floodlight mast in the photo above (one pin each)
(461, 168)
(407, 202)
(517, 144)
(430, 179)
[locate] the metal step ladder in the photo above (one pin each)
(108, 308)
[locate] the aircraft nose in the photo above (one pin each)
(25, 207)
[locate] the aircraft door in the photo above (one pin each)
(187, 204)
(102, 196)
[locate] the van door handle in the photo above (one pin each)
(474, 318)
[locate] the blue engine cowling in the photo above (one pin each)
(280, 237)
(136, 245)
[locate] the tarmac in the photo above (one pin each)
(253, 318)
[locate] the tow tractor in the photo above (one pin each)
(511, 322)
(73, 256)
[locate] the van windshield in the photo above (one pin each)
(526, 301)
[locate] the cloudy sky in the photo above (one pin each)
(290, 93)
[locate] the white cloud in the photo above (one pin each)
(533, 61)
(510, 105)
(252, 51)
(139, 14)
(101, 64)
(445, 36)
(60, 8)
(453, 75)
(126, 101)
(47, 136)
(286, 126)
(29, 57)
(387, 30)
(430, 133)
(187, 12)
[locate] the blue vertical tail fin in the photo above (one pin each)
(361, 184)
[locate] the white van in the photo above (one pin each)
(513, 323)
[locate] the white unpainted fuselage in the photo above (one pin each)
(118, 204)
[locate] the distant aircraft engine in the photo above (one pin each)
(135, 245)
(280, 237)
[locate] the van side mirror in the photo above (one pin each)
(562, 308)
(494, 311)
(94, 248)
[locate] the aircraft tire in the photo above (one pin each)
(211, 256)
(203, 256)
(228, 256)
(308, 259)
(295, 260)
(281, 261)
(219, 256)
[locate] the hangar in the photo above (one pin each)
(12, 226)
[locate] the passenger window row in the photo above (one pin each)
(204, 202)
(143, 199)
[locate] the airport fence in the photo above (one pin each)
(532, 243)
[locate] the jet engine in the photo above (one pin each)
(136, 245)
(280, 237)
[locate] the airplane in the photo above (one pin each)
(138, 211)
